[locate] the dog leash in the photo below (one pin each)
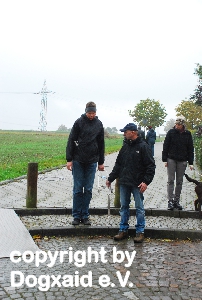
(100, 187)
(108, 200)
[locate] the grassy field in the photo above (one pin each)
(48, 149)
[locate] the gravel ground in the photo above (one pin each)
(53, 221)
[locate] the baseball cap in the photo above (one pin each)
(129, 126)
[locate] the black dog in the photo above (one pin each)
(198, 190)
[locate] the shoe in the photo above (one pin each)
(121, 236)
(177, 205)
(86, 221)
(170, 205)
(76, 221)
(139, 237)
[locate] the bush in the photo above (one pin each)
(198, 151)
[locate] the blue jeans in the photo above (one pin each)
(152, 148)
(125, 195)
(83, 179)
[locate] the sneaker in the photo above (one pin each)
(121, 236)
(177, 205)
(76, 221)
(170, 205)
(86, 221)
(139, 237)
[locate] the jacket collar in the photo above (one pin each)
(131, 142)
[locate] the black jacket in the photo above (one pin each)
(134, 164)
(178, 146)
(141, 134)
(86, 141)
(151, 137)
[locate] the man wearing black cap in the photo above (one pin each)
(177, 150)
(85, 149)
(135, 168)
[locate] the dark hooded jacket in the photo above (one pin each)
(178, 146)
(134, 164)
(151, 137)
(141, 134)
(86, 141)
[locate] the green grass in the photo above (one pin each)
(48, 149)
(18, 148)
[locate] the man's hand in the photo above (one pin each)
(191, 167)
(166, 164)
(108, 183)
(142, 187)
(69, 165)
(101, 167)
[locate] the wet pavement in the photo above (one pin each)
(99, 268)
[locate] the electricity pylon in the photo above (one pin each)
(43, 113)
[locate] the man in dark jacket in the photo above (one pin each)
(85, 149)
(135, 168)
(177, 150)
(141, 133)
(151, 138)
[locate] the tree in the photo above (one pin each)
(169, 124)
(106, 133)
(191, 111)
(149, 113)
(198, 71)
(197, 96)
(62, 128)
(109, 130)
(112, 130)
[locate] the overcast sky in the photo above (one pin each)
(112, 52)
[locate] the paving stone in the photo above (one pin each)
(155, 288)
(15, 296)
(2, 293)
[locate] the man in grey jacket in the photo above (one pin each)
(178, 149)
(135, 168)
